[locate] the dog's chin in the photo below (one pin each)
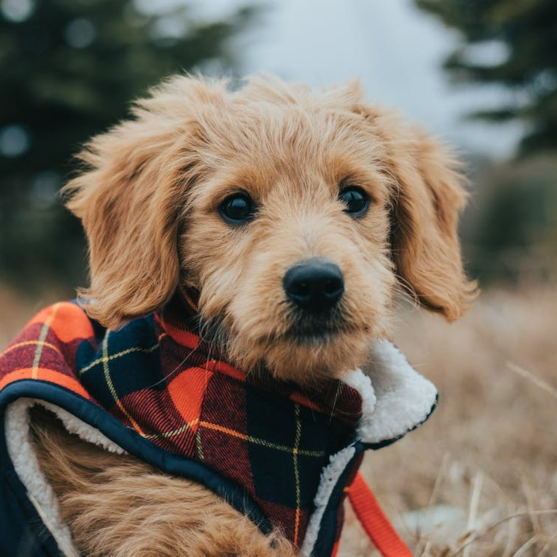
(321, 354)
(305, 353)
(305, 333)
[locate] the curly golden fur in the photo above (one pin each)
(148, 198)
(118, 506)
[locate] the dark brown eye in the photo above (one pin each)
(238, 208)
(355, 199)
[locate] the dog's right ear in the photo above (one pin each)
(427, 197)
(131, 199)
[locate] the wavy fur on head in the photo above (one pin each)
(150, 193)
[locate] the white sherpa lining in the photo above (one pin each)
(395, 399)
(329, 478)
(26, 464)
(404, 398)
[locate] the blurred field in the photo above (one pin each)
(16, 309)
(488, 453)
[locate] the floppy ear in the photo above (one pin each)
(426, 203)
(427, 197)
(131, 200)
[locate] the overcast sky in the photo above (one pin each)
(393, 48)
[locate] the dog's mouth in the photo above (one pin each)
(309, 330)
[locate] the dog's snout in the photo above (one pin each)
(314, 285)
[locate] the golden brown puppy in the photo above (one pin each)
(227, 192)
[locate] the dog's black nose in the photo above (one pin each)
(314, 285)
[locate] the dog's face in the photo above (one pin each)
(294, 214)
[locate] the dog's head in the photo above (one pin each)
(294, 213)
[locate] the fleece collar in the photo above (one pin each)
(280, 454)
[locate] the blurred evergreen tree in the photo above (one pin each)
(520, 37)
(510, 229)
(68, 70)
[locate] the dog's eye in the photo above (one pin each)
(237, 208)
(355, 199)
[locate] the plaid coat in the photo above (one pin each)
(159, 392)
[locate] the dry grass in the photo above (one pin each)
(489, 452)
(486, 462)
(16, 309)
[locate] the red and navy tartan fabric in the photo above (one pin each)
(268, 440)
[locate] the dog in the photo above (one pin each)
(294, 217)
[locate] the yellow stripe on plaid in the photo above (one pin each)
(173, 433)
(189, 300)
(30, 342)
(261, 442)
(297, 473)
(199, 445)
(108, 379)
(106, 359)
(41, 339)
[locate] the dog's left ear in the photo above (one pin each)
(427, 196)
(131, 198)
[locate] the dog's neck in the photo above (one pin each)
(180, 320)
(182, 310)
(390, 397)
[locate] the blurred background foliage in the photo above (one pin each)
(511, 229)
(522, 37)
(69, 68)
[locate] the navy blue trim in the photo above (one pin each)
(326, 537)
(130, 441)
(23, 533)
(26, 535)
